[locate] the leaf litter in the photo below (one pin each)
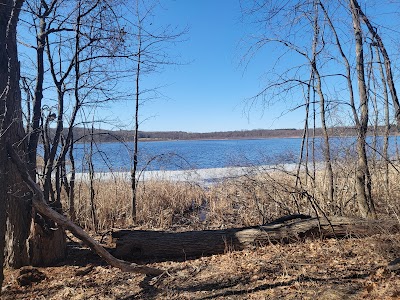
(354, 268)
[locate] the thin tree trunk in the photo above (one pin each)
(44, 235)
(386, 58)
(71, 195)
(322, 102)
(372, 87)
(34, 134)
(70, 137)
(91, 181)
(134, 181)
(47, 188)
(346, 64)
(387, 123)
(363, 186)
(28, 101)
(57, 181)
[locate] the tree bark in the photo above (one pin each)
(42, 237)
(139, 244)
(386, 58)
(363, 178)
(385, 153)
(134, 180)
(10, 131)
(323, 115)
(33, 137)
(14, 194)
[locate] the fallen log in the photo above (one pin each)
(139, 244)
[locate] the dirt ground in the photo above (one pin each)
(329, 269)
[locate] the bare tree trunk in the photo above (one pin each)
(363, 178)
(18, 198)
(71, 195)
(13, 197)
(44, 234)
(387, 123)
(47, 187)
(346, 64)
(91, 180)
(5, 15)
(34, 132)
(372, 88)
(322, 102)
(3, 185)
(375, 132)
(70, 137)
(363, 186)
(386, 58)
(134, 181)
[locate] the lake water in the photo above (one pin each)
(204, 154)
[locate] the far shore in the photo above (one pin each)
(105, 136)
(219, 139)
(202, 139)
(227, 139)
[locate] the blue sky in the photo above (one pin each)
(209, 91)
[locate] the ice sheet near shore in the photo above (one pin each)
(200, 176)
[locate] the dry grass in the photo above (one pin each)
(248, 200)
(353, 268)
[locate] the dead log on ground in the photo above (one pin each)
(133, 245)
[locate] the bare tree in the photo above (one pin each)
(387, 62)
(385, 152)
(322, 102)
(312, 30)
(387, 77)
(363, 177)
(13, 170)
(42, 207)
(150, 56)
(74, 43)
(12, 131)
(304, 32)
(11, 127)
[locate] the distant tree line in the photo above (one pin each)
(100, 135)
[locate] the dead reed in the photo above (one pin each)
(248, 200)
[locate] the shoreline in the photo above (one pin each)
(200, 176)
(200, 139)
(234, 138)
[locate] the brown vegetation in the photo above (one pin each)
(343, 188)
(247, 200)
(331, 269)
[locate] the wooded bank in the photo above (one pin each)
(100, 135)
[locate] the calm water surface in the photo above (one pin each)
(202, 154)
